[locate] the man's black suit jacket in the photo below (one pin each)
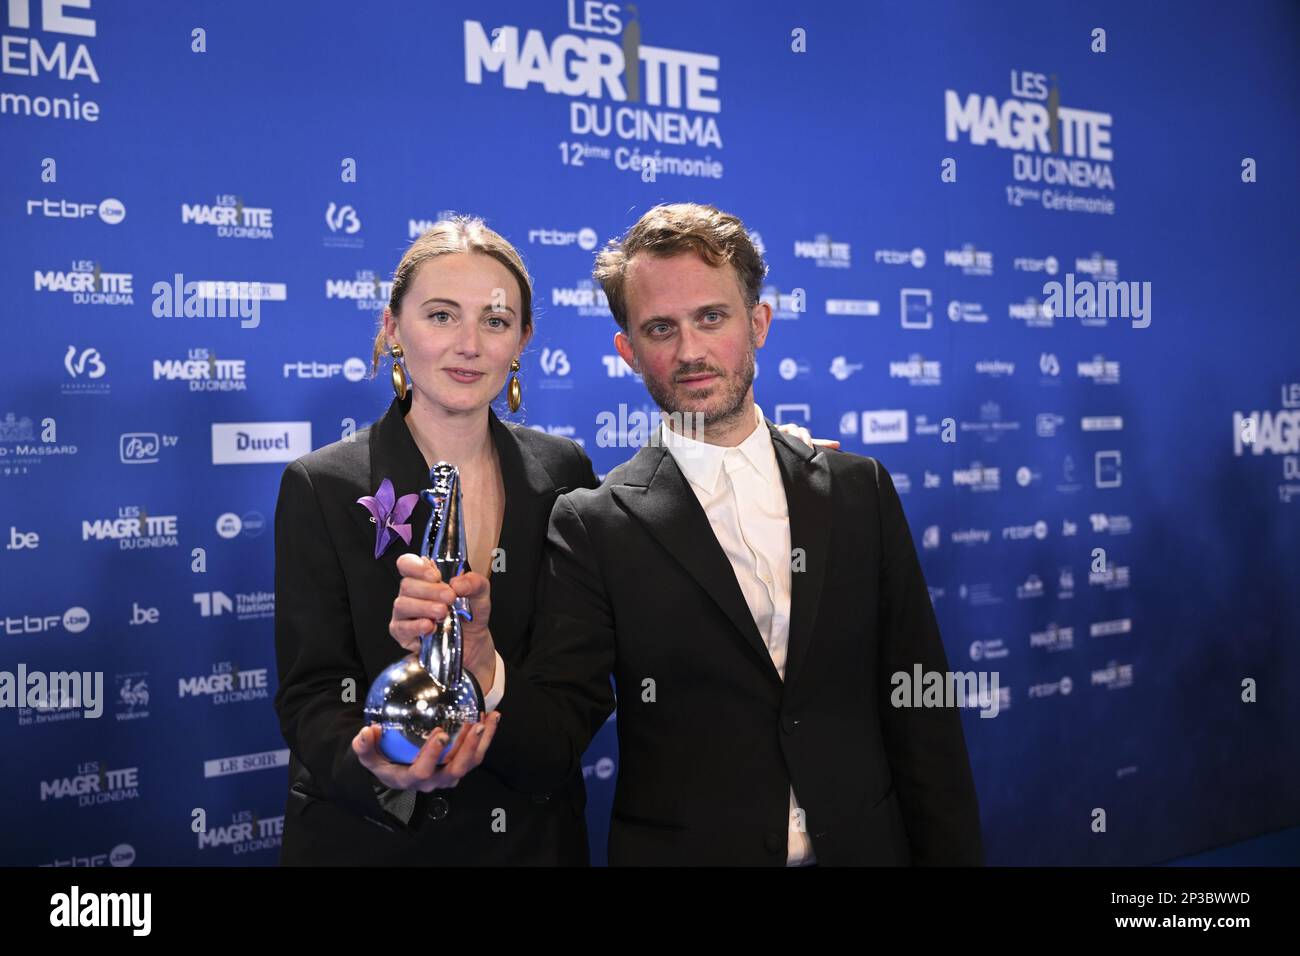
(635, 585)
(334, 601)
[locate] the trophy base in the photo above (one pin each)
(408, 705)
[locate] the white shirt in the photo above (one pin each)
(741, 492)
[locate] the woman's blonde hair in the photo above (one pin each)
(457, 234)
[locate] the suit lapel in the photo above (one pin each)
(530, 492)
(657, 494)
(807, 481)
(395, 456)
(529, 488)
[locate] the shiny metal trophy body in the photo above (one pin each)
(423, 692)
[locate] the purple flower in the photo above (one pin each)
(389, 515)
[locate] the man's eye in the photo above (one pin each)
(713, 317)
(658, 329)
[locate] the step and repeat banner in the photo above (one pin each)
(1035, 257)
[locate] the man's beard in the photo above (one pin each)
(727, 408)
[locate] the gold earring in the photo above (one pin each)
(401, 381)
(514, 394)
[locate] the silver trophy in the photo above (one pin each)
(428, 691)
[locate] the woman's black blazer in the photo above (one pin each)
(333, 605)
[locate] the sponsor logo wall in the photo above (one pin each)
(1096, 438)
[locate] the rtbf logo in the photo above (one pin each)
(110, 210)
(74, 620)
(585, 238)
(353, 369)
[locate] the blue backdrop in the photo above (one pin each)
(1105, 504)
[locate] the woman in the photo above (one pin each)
(458, 319)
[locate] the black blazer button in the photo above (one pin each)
(438, 808)
(788, 724)
(775, 843)
(541, 797)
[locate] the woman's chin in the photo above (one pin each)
(461, 401)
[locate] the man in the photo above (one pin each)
(750, 597)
